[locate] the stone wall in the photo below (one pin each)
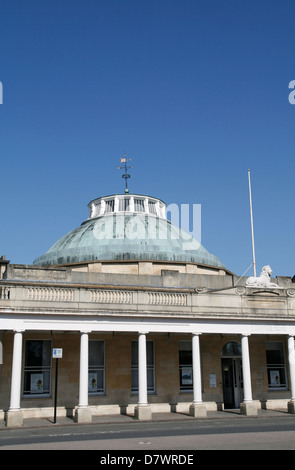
(118, 396)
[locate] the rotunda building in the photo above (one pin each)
(145, 320)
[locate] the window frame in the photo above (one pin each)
(276, 367)
(31, 370)
(92, 369)
(188, 366)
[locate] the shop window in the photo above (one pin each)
(96, 368)
(185, 366)
(150, 366)
(276, 366)
(37, 370)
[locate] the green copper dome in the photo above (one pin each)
(127, 227)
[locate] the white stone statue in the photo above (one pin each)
(263, 280)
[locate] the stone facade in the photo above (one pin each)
(187, 319)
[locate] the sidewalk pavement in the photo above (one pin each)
(156, 417)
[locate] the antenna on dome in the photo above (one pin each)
(125, 167)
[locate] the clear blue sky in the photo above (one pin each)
(194, 91)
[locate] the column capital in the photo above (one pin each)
(85, 332)
(245, 334)
(143, 332)
(196, 333)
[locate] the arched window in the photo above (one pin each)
(232, 349)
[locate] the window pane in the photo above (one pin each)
(185, 345)
(186, 377)
(134, 380)
(274, 357)
(134, 353)
(150, 353)
(276, 377)
(185, 358)
(150, 379)
(96, 381)
(185, 353)
(96, 353)
(37, 353)
(185, 365)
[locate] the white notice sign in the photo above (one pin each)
(212, 380)
(57, 353)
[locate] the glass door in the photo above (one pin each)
(232, 376)
(227, 381)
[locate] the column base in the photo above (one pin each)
(83, 415)
(143, 412)
(291, 407)
(14, 418)
(248, 408)
(198, 410)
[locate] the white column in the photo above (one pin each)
(142, 370)
(83, 414)
(246, 369)
(14, 415)
(16, 372)
(197, 377)
(197, 408)
(143, 409)
(291, 355)
(83, 381)
(248, 407)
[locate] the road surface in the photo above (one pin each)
(244, 433)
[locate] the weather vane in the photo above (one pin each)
(125, 167)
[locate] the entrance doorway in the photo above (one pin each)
(232, 375)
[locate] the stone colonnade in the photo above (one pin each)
(14, 416)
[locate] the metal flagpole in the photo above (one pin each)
(252, 230)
